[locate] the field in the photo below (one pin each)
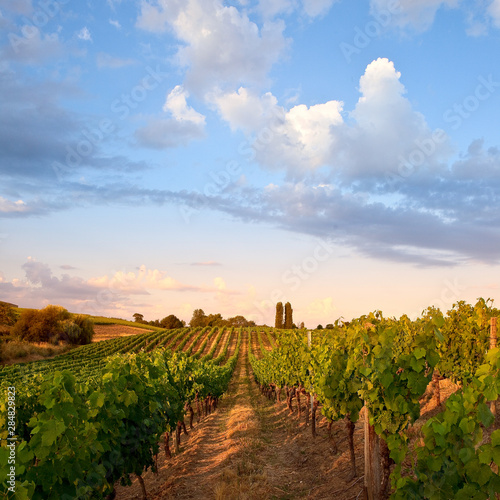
(106, 332)
(225, 413)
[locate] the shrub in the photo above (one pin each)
(71, 332)
(42, 325)
(87, 328)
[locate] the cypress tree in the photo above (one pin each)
(288, 316)
(279, 315)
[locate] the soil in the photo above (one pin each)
(105, 332)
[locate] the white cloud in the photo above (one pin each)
(220, 45)
(7, 206)
(177, 105)
(115, 23)
(185, 124)
(245, 109)
(113, 294)
(494, 12)
(84, 34)
(299, 139)
(386, 128)
(140, 282)
(383, 129)
(417, 14)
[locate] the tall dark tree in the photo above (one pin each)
(279, 315)
(138, 318)
(288, 316)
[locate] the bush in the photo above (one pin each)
(71, 332)
(86, 326)
(41, 326)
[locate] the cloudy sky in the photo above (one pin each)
(158, 156)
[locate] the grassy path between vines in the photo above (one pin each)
(250, 448)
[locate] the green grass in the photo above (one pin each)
(101, 320)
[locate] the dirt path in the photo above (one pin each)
(250, 448)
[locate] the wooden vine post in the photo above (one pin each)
(373, 472)
(313, 407)
(493, 344)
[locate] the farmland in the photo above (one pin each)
(378, 405)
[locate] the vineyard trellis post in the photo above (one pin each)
(309, 344)
(493, 344)
(373, 473)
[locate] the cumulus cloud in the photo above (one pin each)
(177, 105)
(298, 140)
(140, 282)
(84, 34)
(184, 125)
(108, 293)
(382, 132)
(8, 206)
(246, 110)
(220, 44)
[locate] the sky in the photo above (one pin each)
(158, 156)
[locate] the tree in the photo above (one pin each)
(240, 321)
(288, 316)
(279, 315)
(199, 318)
(319, 327)
(171, 322)
(138, 318)
(7, 314)
(214, 320)
(302, 325)
(329, 326)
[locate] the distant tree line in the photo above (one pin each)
(199, 319)
(169, 322)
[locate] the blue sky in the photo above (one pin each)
(159, 156)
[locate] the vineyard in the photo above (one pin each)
(93, 421)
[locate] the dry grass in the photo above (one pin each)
(21, 352)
